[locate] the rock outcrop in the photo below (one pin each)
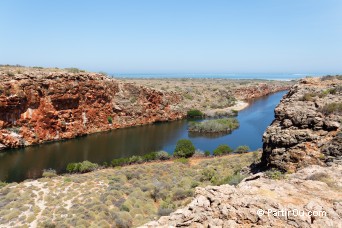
(260, 90)
(307, 126)
(38, 106)
(308, 198)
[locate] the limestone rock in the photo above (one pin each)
(313, 189)
(303, 132)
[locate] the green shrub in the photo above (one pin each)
(235, 179)
(81, 167)
(308, 97)
(164, 211)
(87, 166)
(49, 173)
(163, 155)
(235, 112)
(110, 120)
(119, 162)
(207, 153)
(150, 156)
(222, 149)
(208, 174)
(135, 160)
(274, 174)
(2, 184)
(194, 113)
(182, 160)
(332, 108)
(242, 149)
(184, 148)
(180, 194)
(72, 167)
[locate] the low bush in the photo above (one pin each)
(194, 113)
(332, 108)
(180, 194)
(49, 173)
(150, 156)
(120, 162)
(109, 119)
(182, 160)
(222, 150)
(242, 149)
(308, 97)
(207, 153)
(164, 211)
(81, 167)
(2, 184)
(73, 70)
(184, 148)
(235, 179)
(274, 174)
(163, 155)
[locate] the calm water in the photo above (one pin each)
(20, 164)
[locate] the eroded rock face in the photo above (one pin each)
(306, 130)
(313, 189)
(40, 106)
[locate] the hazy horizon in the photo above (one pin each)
(177, 37)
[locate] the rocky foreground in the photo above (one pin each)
(39, 105)
(264, 202)
(307, 126)
(304, 138)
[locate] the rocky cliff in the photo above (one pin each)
(39, 105)
(307, 126)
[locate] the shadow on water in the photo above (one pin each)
(24, 163)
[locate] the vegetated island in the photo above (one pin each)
(224, 125)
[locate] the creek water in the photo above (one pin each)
(28, 163)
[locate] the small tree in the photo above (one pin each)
(242, 149)
(222, 149)
(184, 148)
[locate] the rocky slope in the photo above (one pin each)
(38, 105)
(263, 202)
(307, 126)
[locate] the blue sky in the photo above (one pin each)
(174, 36)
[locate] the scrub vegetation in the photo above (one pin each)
(118, 197)
(214, 126)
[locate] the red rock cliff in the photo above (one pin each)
(38, 106)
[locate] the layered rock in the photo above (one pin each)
(307, 126)
(38, 106)
(307, 198)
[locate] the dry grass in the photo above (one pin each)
(203, 94)
(126, 196)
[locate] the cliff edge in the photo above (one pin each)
(307, 126)
(38, 105)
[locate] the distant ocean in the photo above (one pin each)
(261, 76)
